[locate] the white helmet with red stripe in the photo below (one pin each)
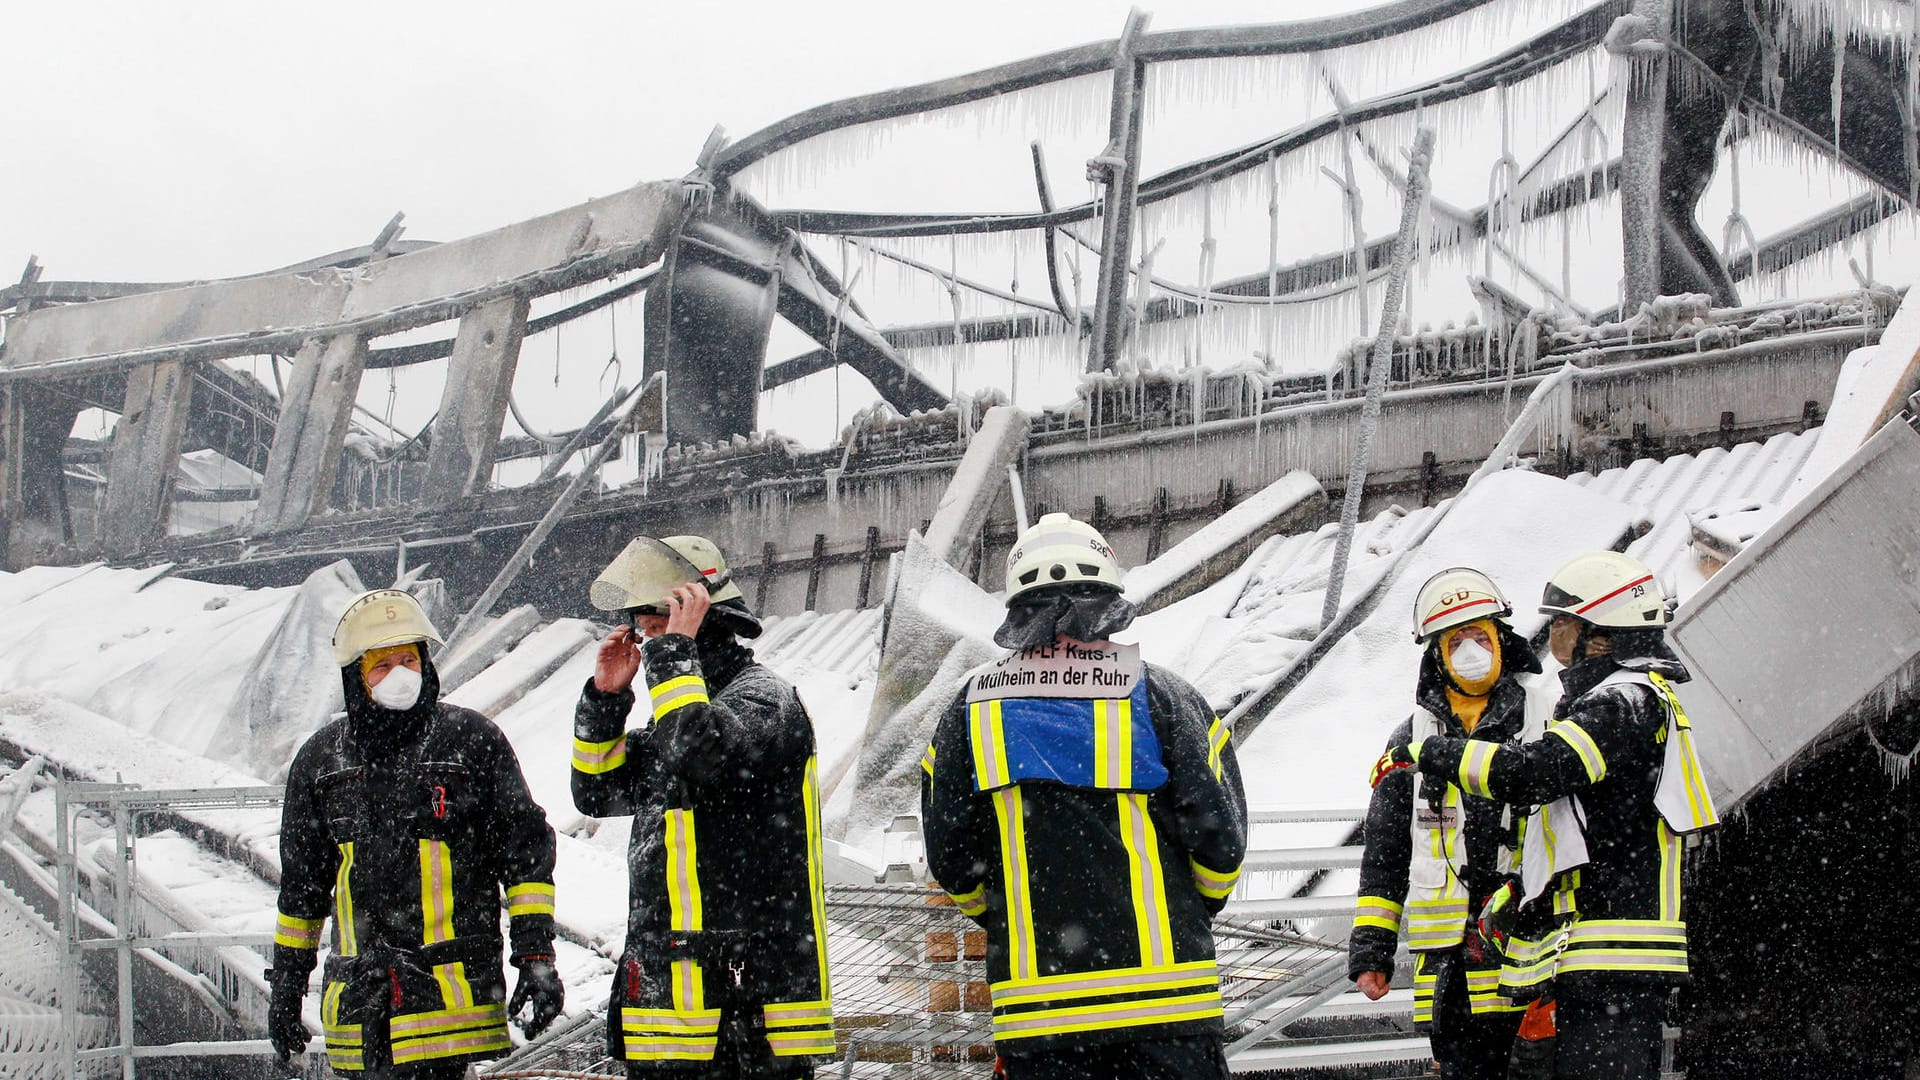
(1456, 596)
(1606, 588)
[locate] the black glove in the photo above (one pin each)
(284, 1028)
(541, 985)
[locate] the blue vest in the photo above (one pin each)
(1102, 743)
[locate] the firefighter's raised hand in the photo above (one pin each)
(617, 663)
(686, 606)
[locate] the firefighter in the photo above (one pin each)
(1619, 786)
(1086, 810)
(405, 820)
(725, 967)
(1434, 855)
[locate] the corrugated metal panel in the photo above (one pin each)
(1816, 618)
(1670, 490)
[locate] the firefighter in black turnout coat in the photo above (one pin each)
(405, 821)
(1619, 786)
(1434, 855)
(725, 968)
(1086, 810)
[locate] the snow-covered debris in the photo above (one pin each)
(1221, 544)
(528, 665)
(1722, 531)
(1873, 384)
(939, 626)
(290, 685)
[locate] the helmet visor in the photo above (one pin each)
(642, 576)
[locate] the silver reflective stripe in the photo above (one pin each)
(1115, 1015)
(1110, 982)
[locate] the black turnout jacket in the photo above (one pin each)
(1097, 900)
(406, 828)
(726, 901)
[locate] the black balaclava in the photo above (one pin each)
(721, 654)
(378, 730)
(1083, 611)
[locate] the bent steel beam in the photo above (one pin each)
(277, 312)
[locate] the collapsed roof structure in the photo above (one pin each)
(1189, 351)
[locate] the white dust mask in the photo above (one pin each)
(401, 688)
(1471, 661)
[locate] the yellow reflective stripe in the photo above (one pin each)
(1423, 984)
(677, 693)
(796, 1013)
(1576, 736)
(455, 991)
(1155, 929)
(1112, 743)
(797, 1028)
(1213, 884)
(1476, 767)
(1657, 960)
(1008, 809)
(594, 758)
(683, 873)
(689, 985)
(530, 898)
(1108, 1016)
(1670, 850)
(989, 749)
(1378, 912)
(1217, 738)
(343, 903)
(1013, 992)
(972, 903)
(816, 872)
(1699, 802)
(666, 1035)
(297, 933)
(926, 760)
(449, 1032)
(1436, 923)
(1655, 930)
(436, 892)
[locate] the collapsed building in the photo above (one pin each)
(1603, 374)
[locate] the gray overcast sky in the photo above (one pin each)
(158, 141)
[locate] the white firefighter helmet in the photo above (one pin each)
(1608, 589)
(1453, 597)
(1057, 550)
(647, 569)
(378, 619)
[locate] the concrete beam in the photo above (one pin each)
(278, 312)
(976, 483)
(145, 456)
(473, 405)
(320, 393)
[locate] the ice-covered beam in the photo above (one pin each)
(319, 401)
(1223, 544)
(277, 312)
(977, 483)
(145, 456)
(1118, 167)
(473, 401)
(1305, 35)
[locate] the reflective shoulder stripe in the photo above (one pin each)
(1576, 736)
(1218, 736)
(1476, 767)
(1213, 884)
(990, 769)
(1378, 912)
(677, 692)
(530, 898)
(297, 933)
(594, 758)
